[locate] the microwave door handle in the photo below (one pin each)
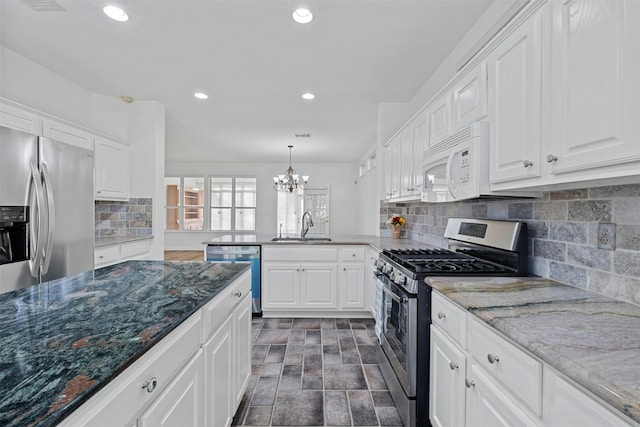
(51, 219)
(448, 175)
(38, 231)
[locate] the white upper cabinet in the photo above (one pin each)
(514, 105)
(439, 119)
(17, 118)
(564, 97)
(406, 162)
(592, 91)
(469, 98)
(420, 125)
(68, 134)
(112, 164)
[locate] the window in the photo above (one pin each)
(185, 203)
(231, 202)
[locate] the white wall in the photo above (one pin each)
(339, 177)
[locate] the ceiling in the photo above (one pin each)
(254, 62)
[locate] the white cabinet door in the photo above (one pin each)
(592, 85)
(182, 402)
(514, 105)
(351, 284)
(487, 405)
(566, 405)
(440, 119)
(219, 379)
(388, 172)
(420, 143)
(319, 286)
(242, 348)
(16, 118)
(66, 133)
(281, 285)
(469, 102)
(396, 168)
(406, 162)
(446, 383)
(112, 165)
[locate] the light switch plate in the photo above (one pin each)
(607, 236)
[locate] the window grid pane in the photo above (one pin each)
(221, 192)
(220, 219)
(245, 219)
(246, 192)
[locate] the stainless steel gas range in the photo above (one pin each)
(476, 248)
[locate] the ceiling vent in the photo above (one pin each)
(303, 135)
(44, 5)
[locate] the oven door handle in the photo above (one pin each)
(396, 298)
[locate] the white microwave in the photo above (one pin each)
(457, 168)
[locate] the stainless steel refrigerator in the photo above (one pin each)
(46, 209)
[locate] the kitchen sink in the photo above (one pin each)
(301, 239)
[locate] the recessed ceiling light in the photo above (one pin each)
(115, 13)
(201, 95)
(302, 16)
(308, 96)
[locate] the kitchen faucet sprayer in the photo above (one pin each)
(303, 230)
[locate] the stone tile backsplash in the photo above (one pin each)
(563, 227)
(134, 217)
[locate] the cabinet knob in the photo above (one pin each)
(150, 385)
(441, 315)
(469, 383)
(297, 269)
(527, 164)
(344, 269)
(453, 366)
(493, 358)
(551, 158)
(101, 256)
(238, 294)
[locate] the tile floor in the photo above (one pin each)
(315, 372)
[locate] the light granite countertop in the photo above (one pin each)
(378, 243)
(590, 338)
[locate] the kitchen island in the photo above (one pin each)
(63, 341)
(589, 339)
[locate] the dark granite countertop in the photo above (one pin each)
(62, 341)
(590, 338)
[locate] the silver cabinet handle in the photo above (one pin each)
(150, 385)
(441, 315)
(469, 383)
(527, 164)
(551, 158)
(453, 366)
(493, 358)
(238, 294)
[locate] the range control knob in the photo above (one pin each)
(400, 279)
(387, 269)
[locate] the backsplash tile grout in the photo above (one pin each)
(562, 233)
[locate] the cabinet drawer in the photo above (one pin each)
(520, 373)
(293, 253)
(352, 254)
(106, 255)
(449, 318)
(134, 249)
(219, 309)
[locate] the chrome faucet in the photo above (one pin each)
(303, 230)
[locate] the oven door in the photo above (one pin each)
(399, 338)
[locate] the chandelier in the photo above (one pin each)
(290, 180)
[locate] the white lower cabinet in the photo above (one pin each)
(112, 254)
(182, 402)
(479, 379)
(446, 383)
(195, 376)
(314, 280)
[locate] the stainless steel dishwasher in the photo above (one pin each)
(241, 253)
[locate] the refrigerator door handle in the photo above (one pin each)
(36, 255)
(51, 219)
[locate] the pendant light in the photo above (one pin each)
(290, 180)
